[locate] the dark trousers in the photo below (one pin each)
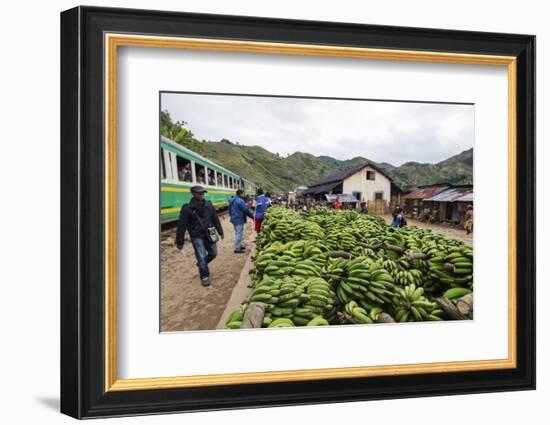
(205, 251)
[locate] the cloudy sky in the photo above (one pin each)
(394, 132)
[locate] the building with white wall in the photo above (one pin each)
(365, 182)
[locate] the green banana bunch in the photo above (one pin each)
(318, 300)
(361, 279)
(354, 313)
(415, 307)
(235, 318)
(281, 323)
(409, 277)
(295, 298)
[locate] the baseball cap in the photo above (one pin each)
(198, 189)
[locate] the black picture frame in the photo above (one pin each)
(82, 206)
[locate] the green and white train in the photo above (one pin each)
(181, 168)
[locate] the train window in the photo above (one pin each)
(184, 169)
(220, 179)
(201, 177)
(162, 165)
(225, 183)
(211, 178)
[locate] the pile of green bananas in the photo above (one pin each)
(319, 303)
(354, 313)
(300, 301)
(413, 306)
(362, 280)
(323, 266)
(409, 277)
(285, 225)
(452, 268)
(455, 293)
(296, 258)
(235, 318)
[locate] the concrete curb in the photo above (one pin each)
(240, 292)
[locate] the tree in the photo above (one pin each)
(177, 132)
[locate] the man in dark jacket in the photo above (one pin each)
(196, 217)
(239, 211)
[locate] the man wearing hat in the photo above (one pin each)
(199, 218)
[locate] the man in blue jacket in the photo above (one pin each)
(238, 211)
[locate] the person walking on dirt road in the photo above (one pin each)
(398, 217)
(199, 218)
(238, 210)
(469, 219)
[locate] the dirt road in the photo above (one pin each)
(185, 304)
(452, 232)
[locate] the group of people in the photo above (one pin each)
(335, 204)
(199, 218)
(399, 220)
(398, 215)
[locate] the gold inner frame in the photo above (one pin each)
(113, 41)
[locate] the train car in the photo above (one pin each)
(181, 168)
(248, 187)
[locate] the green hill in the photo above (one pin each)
(275, 173)
(457, 169)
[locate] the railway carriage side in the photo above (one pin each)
(181, 169)
(248, 187)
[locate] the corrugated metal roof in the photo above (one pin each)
(425, 192)
(322, 188)
(469, 197)
(344, 197)
(454, 194)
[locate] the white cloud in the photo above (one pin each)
(394, 132)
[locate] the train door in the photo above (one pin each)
(163, 171)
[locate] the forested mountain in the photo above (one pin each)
(275, 173)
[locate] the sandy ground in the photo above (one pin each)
(185, 304)
(452, 232)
